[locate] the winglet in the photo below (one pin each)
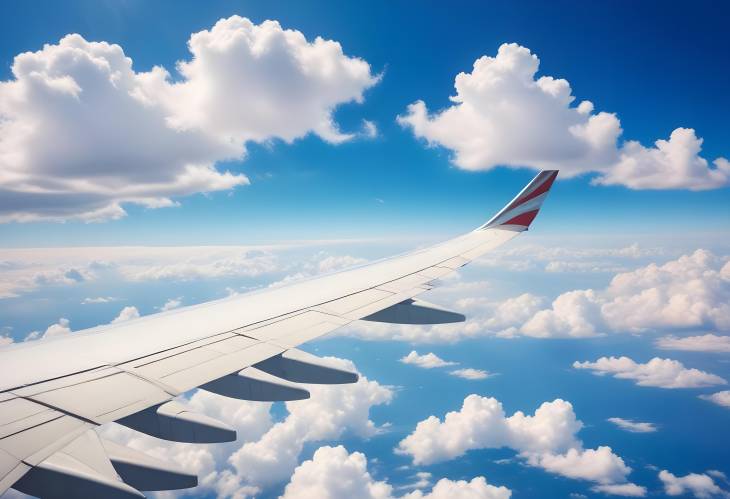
(522, 210)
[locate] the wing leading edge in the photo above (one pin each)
(243, 347)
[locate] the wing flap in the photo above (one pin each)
(80, 470)
(144, 472)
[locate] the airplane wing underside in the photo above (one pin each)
(54, 392)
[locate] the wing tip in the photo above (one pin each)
(522, 210)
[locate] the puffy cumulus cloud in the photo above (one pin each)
(702, 343)
(333, 472)
(477, 488)
(672, 164)
(720, 398)
(427, 361)
(61, 328)
(285, 85)
(126, 314)
(330, 412)
(691, 291)
(546, 439)
(5, 340)
(470, 373)
(698, 484)
(633, 426)
(599, 465)
(503, 115)
(575, 314)
(82, 133)
(171, 304)
(662, 373)
(79, 138)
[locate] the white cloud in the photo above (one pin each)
(369, 129)
(662, 373)
(98, 299)
(672, 164)
(524, 256)
(208, 265)
(330, 263)
(426, 361)
(470, 373)
(691, 291)
(19, 278)
(62, 327)
(320, 263)
(502, 115)
(599, 465)
(720, 398)
(633, 426)
(82, 133)
(621, 489)
(703, 343)
(5, 340)
(699, 485)
(574, 314)
(334, 473)
(170, 304)
(546, 439)
(28, 269)
(285, 85)
(477, 488)
(126, 314)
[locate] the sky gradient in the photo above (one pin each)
(232, 155)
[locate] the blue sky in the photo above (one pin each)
(656, 76)
(629, 257)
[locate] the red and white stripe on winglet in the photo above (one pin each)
(522, 210)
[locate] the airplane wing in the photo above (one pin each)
(54, 392)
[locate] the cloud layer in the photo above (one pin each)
(82, 133)
(703, 343)
(662, 373)
(502, 114)
(689, 292)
